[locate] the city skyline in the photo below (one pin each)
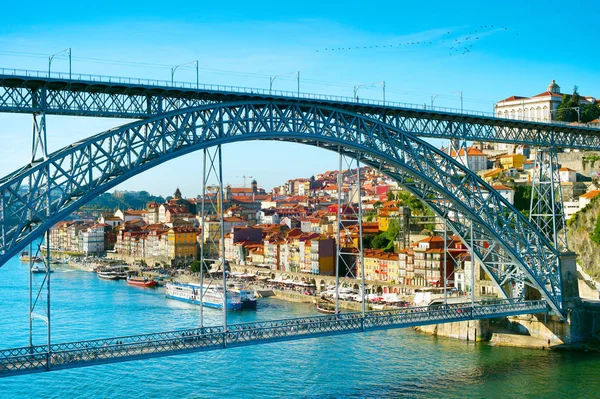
(246, 45)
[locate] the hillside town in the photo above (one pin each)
(294, 227)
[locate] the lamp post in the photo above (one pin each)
(461, 99)
(173, 69)
(68, 51)
(380, 83)
(272, 79)
(433, 97)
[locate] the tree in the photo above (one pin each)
(590, 112)
(566, 109)
(196, 266)
(523, 198)
(390, 196)
(380, 241)
(393, 229)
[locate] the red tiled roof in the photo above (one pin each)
(548, 93)
(590, 194)
(501, 187)
(514, 98)
(470, 151)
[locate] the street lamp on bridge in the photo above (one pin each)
(380, 83)
(173, 69)
(272, 79)
(68, 52)
(461, 99)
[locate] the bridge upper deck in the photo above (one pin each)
(24, 91)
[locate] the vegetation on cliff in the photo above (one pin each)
(583, 235)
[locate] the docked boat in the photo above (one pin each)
(40, 269)
(141, 281)
(212, 298)
(247, 296)
(106, 275)
(325, 307)
(25, 257)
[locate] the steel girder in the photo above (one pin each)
(23, 94)
(505, 242)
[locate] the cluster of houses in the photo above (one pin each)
(294, 227)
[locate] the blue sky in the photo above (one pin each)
(243, 43)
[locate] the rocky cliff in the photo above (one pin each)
(579, 228)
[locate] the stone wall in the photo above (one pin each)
(573, 160)
(472, 330)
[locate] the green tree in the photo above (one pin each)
(590, 112)
(523, 198)
(196, 266)
(380, 241)
(595, 236)
(566, 109)
(390, 196)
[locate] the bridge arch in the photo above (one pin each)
(510, 249)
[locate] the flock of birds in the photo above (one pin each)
(461, 45)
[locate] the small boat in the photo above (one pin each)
(40, 269)
(326, 307)
(108, 275)
(26, 258)
(141, 281)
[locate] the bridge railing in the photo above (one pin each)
(167, 84)
(71, 354)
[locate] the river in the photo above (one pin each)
(387, 364)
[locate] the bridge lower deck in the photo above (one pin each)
(39, 358)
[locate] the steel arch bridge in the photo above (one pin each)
(508, 246)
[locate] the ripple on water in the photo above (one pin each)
(384, 364)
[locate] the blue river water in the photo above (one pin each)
(388, 364)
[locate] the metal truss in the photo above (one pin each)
(123, 98)
(546, 210)
(213, 239)
(34, 359)
(39, 291)
(504, 241)
(350, 256)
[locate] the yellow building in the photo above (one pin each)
(512, 161)
(182, 243)
(389, 211)
(371, 259)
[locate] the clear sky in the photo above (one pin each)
(489, 51)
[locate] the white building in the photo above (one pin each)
(586, 198)
(567, 175)
(473, 158)
(92, 240)
(541, 107)
(506, 192)
(570, 208)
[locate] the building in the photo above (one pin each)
(182, 245)
(472, 157)
(92, 240)
(567, 175)
(512, 161)
(507, 192)
(541, 107)
(586, 198)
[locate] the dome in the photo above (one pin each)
(553, 87)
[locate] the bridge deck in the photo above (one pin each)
(24, 91)
(119, 349)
